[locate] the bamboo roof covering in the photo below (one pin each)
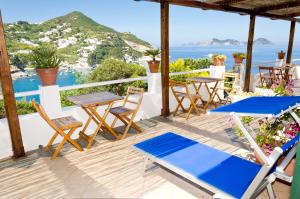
(273, 9)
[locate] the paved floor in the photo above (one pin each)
(113, 169)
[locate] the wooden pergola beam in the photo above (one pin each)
(164, 12)
(291, 43)
(227, 2)
(296, 14)
(279, 6)
(249, 53)
(9, 98)
(224, 8)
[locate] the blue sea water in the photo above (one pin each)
(260, 54)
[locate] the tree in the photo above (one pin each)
(20, 60)
(112, 69)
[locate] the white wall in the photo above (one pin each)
(35, 131)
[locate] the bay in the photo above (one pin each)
(260, 54)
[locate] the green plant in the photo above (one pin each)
(23, 107)
(153, 53)
(45, 56)
(239, 54)
(184, 65)
(219, 56)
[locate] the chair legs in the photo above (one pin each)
(66, 138)
(49, 145)
(128, 123)
(179, 106)
(192, 107)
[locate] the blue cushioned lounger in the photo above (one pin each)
(223, 171)
(224, 174)
(269, 106)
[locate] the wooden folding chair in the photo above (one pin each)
(127, 114)
(267, 75)
(181, 92)
(229, 88)
(60, 125)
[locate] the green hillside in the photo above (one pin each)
(80, 40)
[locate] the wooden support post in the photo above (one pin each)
(249, 53)
(291, 42)
(9, 98)
(164, 11)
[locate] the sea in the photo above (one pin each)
(261, 55)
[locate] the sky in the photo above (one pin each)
(143, 19)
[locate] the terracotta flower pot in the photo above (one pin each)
(154, 66)
(48, 76)
(281, 55)
(217, 62)
(238, 60)
(289, 170)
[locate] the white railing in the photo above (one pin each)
(104, 83)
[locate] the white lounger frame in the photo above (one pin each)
(262, 179)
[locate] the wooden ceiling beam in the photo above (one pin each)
(227, 2)
(296, 14)
(289, 4)
(209, 6)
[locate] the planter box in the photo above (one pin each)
(217, 71)
(297, 72)
(264, 91)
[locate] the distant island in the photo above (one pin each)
(229, 42)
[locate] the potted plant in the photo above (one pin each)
(218, 59)
(153, 64)
(281, 54)
(238, 57)
(46, 62)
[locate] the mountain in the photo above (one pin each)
(81, 41)
(228, 42)
(262, 41)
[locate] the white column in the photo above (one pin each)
(218, 72)
(50, 100)
(154, 83)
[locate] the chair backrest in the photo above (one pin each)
(266, 69)
(134, 96)
(179, 88)
(230, 81)
(44, 115)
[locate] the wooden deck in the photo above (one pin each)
(112, 169)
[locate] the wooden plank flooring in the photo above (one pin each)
(113, 169)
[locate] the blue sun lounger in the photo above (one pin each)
(226, 175)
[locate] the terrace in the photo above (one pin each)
(113, 169)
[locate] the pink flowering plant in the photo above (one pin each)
(272, 134)
(276, 134)
(283, 88)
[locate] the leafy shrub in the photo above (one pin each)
(182, 65)
(23, 107)
(20, 60)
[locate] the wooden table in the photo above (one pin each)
(205, 81)
(89, 103)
